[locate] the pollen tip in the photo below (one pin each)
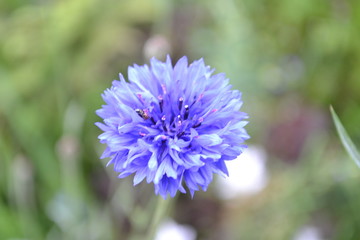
(163, 88)
(200, 97)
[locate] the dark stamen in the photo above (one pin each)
(200, 120)
(198, 99)
(178, 119)
(186, 115)
(181, 100)
(163, 123)
(161, 103)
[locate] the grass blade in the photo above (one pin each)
(345, 139)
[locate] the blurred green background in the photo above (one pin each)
(290, 58)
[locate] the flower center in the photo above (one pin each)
(172, 125)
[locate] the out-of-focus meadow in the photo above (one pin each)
(290, 58)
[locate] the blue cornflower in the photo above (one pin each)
(172, 125)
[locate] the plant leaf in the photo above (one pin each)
(345, 139)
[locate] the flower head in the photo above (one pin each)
(172, 125)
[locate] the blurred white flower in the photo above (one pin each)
(169, 229)
(247, 174)
(156, 46)
(308, 233)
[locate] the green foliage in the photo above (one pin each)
(345, 139)
(290, 58)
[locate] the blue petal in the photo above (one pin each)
(107, 153)
(153, 161)
(103, 126)
(140, 175)
(208, 139)
(219, 167)
(165, 167)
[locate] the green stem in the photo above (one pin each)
(162, 207)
